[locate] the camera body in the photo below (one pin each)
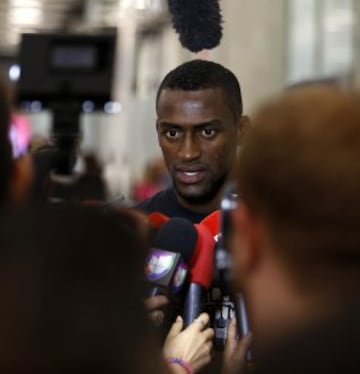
(67, 74)
(66, 68)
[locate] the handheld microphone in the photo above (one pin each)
(222, 261)
(197, 22)
(173, 244)
(201, 273)
(219, 223)
(220, 301)
(213, 223)
(228, 203)
(241, 315)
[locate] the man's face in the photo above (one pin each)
(198, 134)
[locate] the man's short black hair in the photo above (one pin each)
(201, 74)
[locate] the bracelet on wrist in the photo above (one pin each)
(179, 361)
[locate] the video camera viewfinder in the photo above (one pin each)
(64, 73)
(66, 67)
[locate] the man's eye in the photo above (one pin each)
(208, 133)
(172, 134)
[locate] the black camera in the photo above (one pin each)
(66, 73)
(66, 68)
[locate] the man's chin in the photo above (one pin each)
(202, 193)
(195, 197)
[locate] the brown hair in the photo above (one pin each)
(300, 172)
(71, 282)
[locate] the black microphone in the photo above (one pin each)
(173, 245)
(241, 314)
(197, 22)
(201, 272)
(228, 203)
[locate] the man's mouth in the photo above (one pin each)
(191, 173)
(190, 176)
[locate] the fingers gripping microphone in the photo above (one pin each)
(201, 273)
(197, 22)
(173, 244)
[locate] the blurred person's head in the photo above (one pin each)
(296, 242)
(92, 164)
(71, 290)
(15, 175)
(199, 125)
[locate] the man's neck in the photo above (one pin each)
(205, 208)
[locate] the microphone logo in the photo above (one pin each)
(158, 264)
(179, 277)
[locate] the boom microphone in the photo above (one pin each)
(198, 23)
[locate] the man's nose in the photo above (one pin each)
(190, 148)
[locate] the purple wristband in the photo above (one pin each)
(179, 361)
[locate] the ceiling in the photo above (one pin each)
(18, 16)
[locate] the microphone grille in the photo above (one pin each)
(197, 22)
(177, 235)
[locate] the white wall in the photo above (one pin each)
(253, 46)
(321, 39)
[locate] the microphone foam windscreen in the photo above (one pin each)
(157, 219)
(212, 222)
(177, 235)
(198, 23)
(202, 263)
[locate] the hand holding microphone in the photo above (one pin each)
(190, 347)
(236, 350)
(166, 270)
(155, 302)
(153, 305)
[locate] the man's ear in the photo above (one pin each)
(245, 244)
(157, 130)
(242, 126)
(21, 179)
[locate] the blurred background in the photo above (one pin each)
(269, 45)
